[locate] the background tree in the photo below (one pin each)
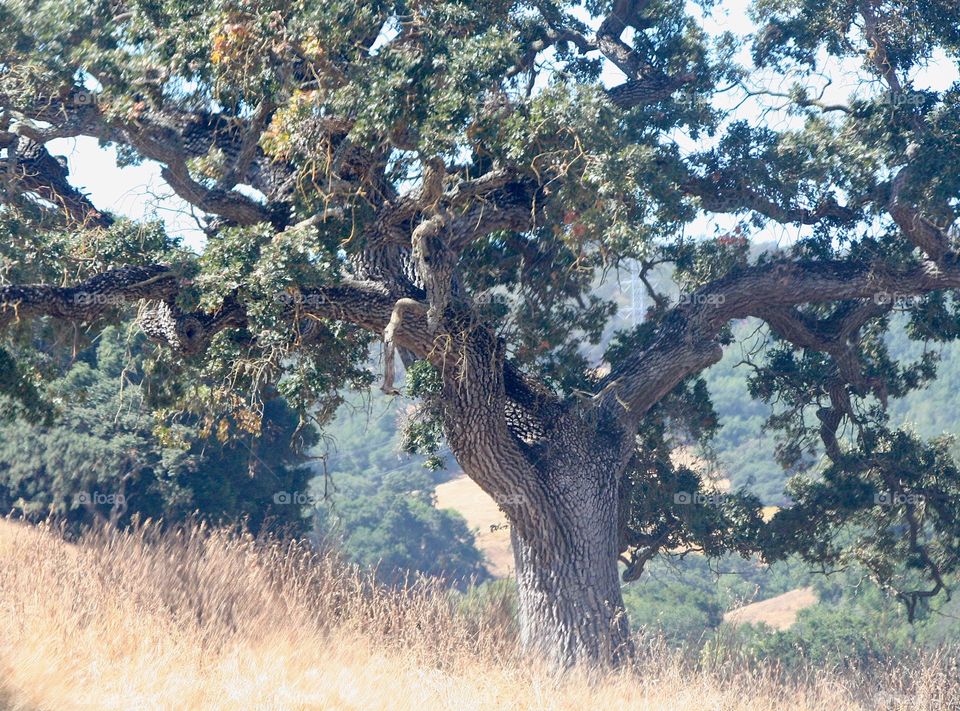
(452, 178)
(379, 505)
(108, 455)
(398, 531)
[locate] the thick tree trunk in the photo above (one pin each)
(554, 467)
(570, 606)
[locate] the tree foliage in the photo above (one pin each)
(455, 178)
(108, 455)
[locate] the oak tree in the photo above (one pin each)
(453, 178)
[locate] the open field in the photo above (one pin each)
(779, 612)
(210, 620)
(483, 515)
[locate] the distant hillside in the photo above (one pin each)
(483, 516)
(779, 612)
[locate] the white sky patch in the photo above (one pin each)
(137, 192)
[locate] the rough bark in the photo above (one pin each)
(554, 468)
(570, 604)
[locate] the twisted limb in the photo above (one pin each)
(401, 307)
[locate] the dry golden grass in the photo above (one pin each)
(211, 620)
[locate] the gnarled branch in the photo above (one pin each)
(685, 342)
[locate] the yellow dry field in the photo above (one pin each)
(779, 612)
(211, 620)
(484, 517)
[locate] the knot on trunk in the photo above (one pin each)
(184, 333)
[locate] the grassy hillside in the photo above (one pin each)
(779, 612)
(208, 620)
(492, 532)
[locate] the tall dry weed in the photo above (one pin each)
(211, 619)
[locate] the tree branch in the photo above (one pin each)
(878, 54)
(623, 15)
(654, 87)
(170, 138)
(29, 168)
(686, 340)
(89, 299)
(228, 204)
(717, 196)
(917, 228)
(835, 336)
